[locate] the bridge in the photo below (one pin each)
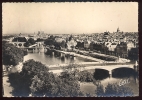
(18, 44)
(35, 47)
(38, 47)
(107, 66)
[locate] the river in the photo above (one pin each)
(118, 75)
(53, 60)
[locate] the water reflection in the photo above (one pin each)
(52, 59)
(119, 73)
(123, 72)
(101, 74)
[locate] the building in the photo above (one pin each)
(130, 45)
(87, 44)
(71, 44)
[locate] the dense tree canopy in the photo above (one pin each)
(49, 41)
(100, 47)
(19, 39)
(12, 55)
(121, 48)
(80, 45)
(113, 90)
(86, 76)
(38, 81)
(133, 54)
(30, 41)
(39, 40)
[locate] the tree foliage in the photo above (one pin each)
(12, 55)
(99, 91)
(49, 41)
(30, 41)
(38, 81)
(133, 54)
(80, 45)
(85, 76)
(121, 48)
(113, 90)
(19, 39)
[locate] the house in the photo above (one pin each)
(112, 47)
(130, 45)
(86, 44)
(71, 44)
(121, 49)
(59, 39)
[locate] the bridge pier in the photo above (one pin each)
(61, 55)
(136, 66)
(110, 73)
(53, 53)
(33, 50)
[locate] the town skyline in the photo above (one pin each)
(69, 18)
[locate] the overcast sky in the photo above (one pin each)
(69, 17)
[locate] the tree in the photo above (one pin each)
(38, 81)
(121, 48)
(133, 54)
(99, 91)
(63, 44)
(39, 40)
(49, 41)
(11, 55)
(31, 41)
(113, 90)
(27, 44)
(85, 76)
(19, 39)
(80, 45)
(73, 69)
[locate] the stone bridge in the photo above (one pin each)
(18, 44)
(106, 66)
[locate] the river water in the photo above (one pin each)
(53, 60)
(118, 75)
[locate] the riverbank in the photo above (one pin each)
(6, 84)
(7, 88)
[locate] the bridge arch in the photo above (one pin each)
(100, 74)
(15, 44)
(124, 72)
(111, 68)
(18, 44)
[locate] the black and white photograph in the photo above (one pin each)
(66, 49)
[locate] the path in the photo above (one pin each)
(6, 85)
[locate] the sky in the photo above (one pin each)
(70, 18)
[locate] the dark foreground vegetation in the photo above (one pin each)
(12, 55)
(113, 90)
(35, 79)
